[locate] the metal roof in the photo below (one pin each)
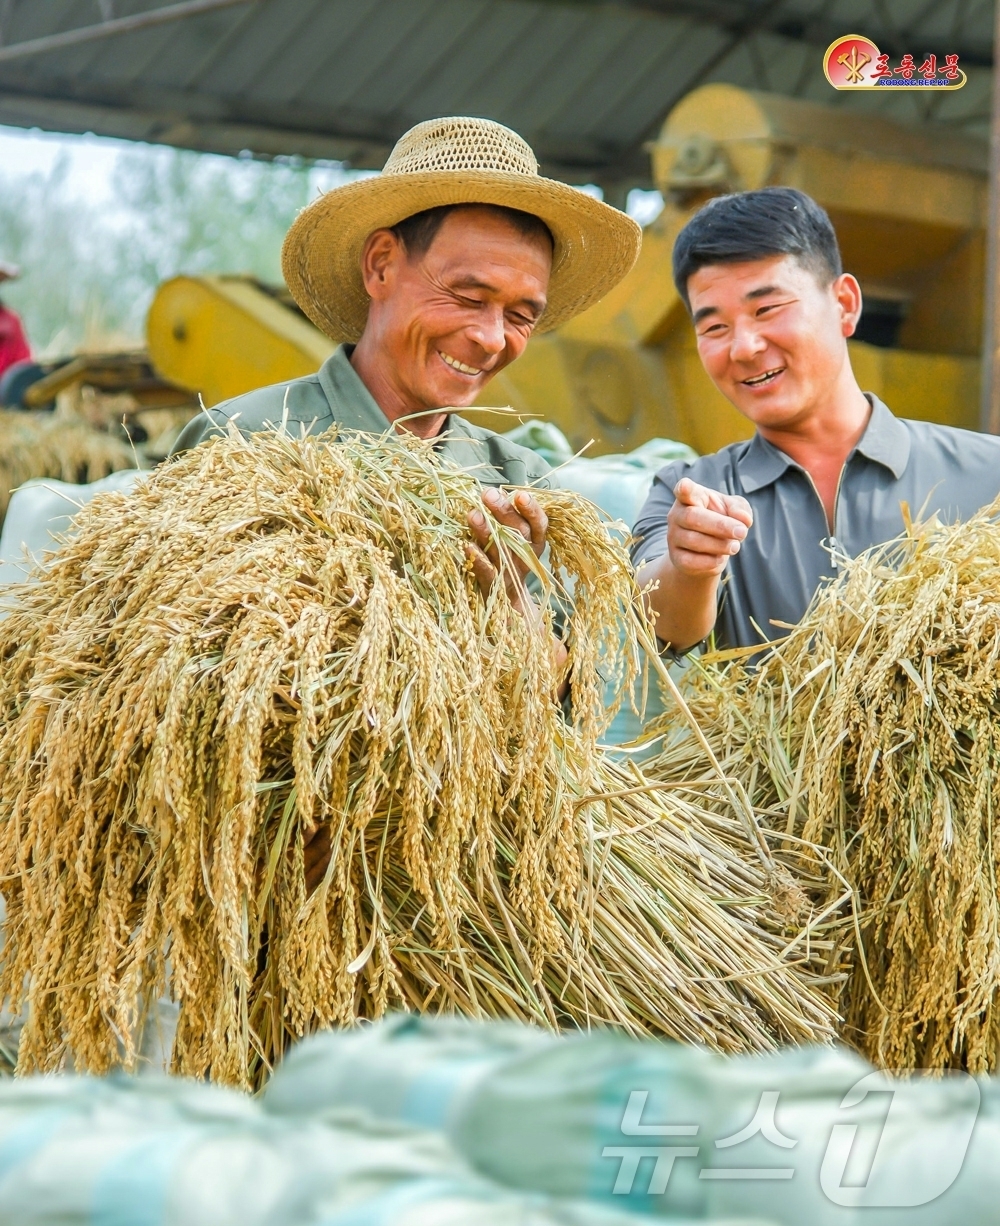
(586, 83)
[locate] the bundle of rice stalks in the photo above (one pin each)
(40, 445)
(874, 730)
(277, 636)
(680, 931)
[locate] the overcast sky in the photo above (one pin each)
(92, 158)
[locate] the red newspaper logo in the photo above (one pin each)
(855, 62)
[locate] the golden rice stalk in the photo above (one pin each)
(874, 730)
(277, 634)
(40, 445)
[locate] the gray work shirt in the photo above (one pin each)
(787, 552)
(335, 394)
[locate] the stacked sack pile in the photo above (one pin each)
(792, 1137)
(80, 1152)
(444, 1122)
(67, 449)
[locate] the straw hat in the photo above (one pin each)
(9, 272)
(453, 161)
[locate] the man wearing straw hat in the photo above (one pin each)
(433, 276)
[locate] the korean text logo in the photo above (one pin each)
(855, 62)
(914, 1155)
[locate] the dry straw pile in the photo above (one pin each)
(40, 445)
(874, 730)
(277, 634)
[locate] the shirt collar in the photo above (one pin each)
(886, 441)
(762, 464)
(468, 449)
(352, 403)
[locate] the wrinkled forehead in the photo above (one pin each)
(476, 249)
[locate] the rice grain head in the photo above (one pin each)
(40, 445)
(278, 635)
(873, 731)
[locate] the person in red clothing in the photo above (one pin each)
(13, 342)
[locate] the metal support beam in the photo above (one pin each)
(160, 115)
(990, 392)
(118, 25)
(164, 126)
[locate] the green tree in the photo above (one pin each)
(69, 288)
(189, 212)
(90, 273)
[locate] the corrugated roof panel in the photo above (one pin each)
(564, 98)
(391, 56)
(261, 41)
(259, 47)
(634, 101)
(320, 67)
(637, 111)
(154, 56)
(26, 21)
(442, 64)
(510, 90)
(365, 79)
(115, 61)
(498, 58)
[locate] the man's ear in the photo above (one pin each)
(380, 257)
(847, 292)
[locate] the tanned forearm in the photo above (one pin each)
(704, 529)
(683, 606)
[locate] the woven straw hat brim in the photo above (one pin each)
(595, 245)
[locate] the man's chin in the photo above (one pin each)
(767, 412)
(457, 395)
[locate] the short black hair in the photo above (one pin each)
(417, 232)
(753, 225)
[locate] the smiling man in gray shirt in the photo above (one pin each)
(741, 539)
